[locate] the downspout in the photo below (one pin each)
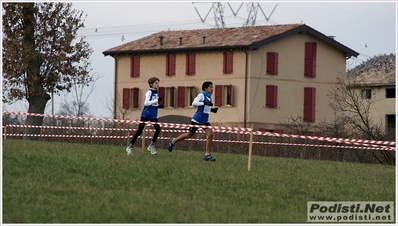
(115, 89)
(245, 97)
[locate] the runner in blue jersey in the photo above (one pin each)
(149, 113)
(204, 104)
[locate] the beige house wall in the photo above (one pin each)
(290, 81)
(208, 68)
(382, 106)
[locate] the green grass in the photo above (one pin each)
(51, 182)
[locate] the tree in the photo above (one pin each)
(117, 106)
(41, 54)
(346, 99)
(356, 109)
(77, 104)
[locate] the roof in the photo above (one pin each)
(219, 39)
(377, 71)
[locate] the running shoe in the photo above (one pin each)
(171, 145)
(209, 158)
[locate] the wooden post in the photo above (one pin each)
(5, 131)
(250, 149)
(143, 140)
(128, 136)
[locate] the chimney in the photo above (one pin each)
(161, 40)
(180, 40)
(204, 39)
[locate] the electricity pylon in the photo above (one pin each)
(218, 12)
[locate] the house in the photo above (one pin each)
(375, 82)
(261, 74)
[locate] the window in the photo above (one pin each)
(310, 59)
(170, 64)
(390, 122)
(186, 95)
(190, 94)
(130, 98)
(223, 95)
(135, 66)
(228, 62)
(271, 99)
(190, 64)
(167, 94)
(309, 104)
(390, 92)
(272, 63)
(366, 93)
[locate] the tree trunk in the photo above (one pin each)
(36, 95)
(37, 104)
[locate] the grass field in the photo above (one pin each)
(51, 182)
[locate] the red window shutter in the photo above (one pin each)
(172, 104)
(310, 59)
(173, 64)
(135, 97)
(309, 104)
(228, 62)
(162, 91)
(167, 64)
(187, 64)
(132, 66)
(181, 96)
(218, 95)
(190, 64)
(224, 63)
(126, 98)
(272, 63)
(271, 96)
(170, 64)
(135, 66)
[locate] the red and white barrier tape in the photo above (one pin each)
(167, 125)
(330, 139)
(108, 128)
(358, 142)
(192, 139)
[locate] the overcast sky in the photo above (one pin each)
(368, 28)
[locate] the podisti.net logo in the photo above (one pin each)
(350, 212)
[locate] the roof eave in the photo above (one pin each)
(304, 29)
(172, 50)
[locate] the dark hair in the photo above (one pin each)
(206, 85)
(153, 80)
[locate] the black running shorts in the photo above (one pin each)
(193, 129)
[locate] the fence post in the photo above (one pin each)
(5, 131)
(250, 149)
(143, 140)
(128, 137)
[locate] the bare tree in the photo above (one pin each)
(296, 125)
(111, 105)
(75, 103)
(346, 99)
(335, 128)
(41, 54)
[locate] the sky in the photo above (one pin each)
(368, 28)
